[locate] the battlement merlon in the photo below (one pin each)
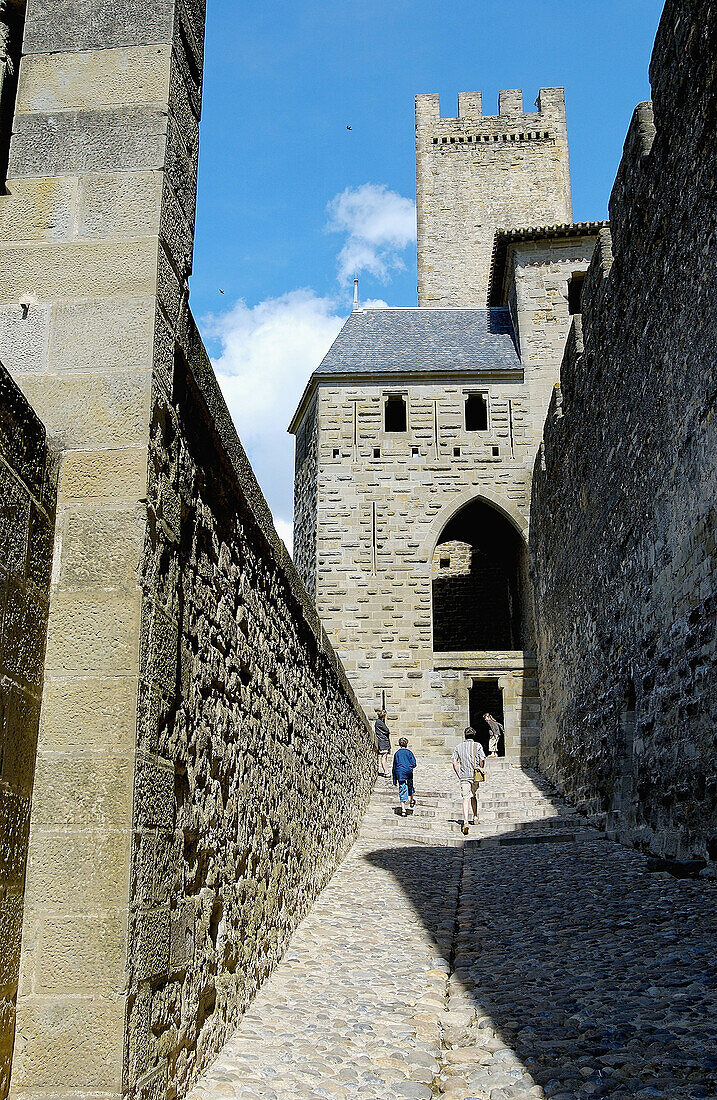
(550, 108)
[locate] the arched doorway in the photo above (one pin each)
(480, 584)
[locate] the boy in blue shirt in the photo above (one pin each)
(403, 764)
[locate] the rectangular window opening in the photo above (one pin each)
(476, 412)
(496, 451)
(336, 452)
(456, 452)
(575, 291)
(414, 451)
(445, 563)
(377, 452)
(394, 413)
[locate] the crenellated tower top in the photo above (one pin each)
(477, 173)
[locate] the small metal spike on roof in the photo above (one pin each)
(356, 297)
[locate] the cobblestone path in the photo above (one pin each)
(537, 959)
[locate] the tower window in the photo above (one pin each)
(575, 291)
(395, 413)
(476, 413)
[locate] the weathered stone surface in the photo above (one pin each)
(58, 26)
(23, 336)
(478, 173)
(47, 144)
(119, 269)
(39, 210)
(104, 78)
(624, 535)
(117, 205)
(253, 725)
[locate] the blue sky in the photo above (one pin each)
(283, 80)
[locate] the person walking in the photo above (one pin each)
(496, 732)
(469, 765)
(383, 741)
(403, 764)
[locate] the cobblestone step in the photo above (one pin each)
(543, 962)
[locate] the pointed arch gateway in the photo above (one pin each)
(480, 582)
(482, 621)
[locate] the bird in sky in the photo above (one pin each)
(221, 291)
(348, 127)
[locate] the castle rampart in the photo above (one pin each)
(623, 520)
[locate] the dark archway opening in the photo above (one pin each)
(481, 592)
(486, 697)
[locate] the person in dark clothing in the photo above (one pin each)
(403, 764)
(383, 741)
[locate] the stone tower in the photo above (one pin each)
(478, 173)
(416, 437)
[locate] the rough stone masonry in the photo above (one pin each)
(187, 805)
(624, 531)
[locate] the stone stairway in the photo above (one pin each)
(515, 805)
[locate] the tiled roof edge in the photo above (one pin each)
(505, 237)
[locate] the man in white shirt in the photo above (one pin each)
(467, 758)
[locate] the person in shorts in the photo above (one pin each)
(403, 764)
(466, 759)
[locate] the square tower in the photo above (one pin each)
(478, 173)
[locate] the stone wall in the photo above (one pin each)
(624, 532)
(28, 492)
(306, 496)
(254, 760)
(477, 173)
(163, 873)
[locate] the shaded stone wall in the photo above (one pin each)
(255, 762)
(28, 492)
(471, 600)
(624, 528)
(306, 497)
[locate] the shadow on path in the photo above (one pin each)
(598, 975)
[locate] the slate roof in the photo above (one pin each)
(394, 341)
(415, 341)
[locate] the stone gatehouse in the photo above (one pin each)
(417, 434)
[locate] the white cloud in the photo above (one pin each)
(268, 352)
(380, 224)
(285, 531)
